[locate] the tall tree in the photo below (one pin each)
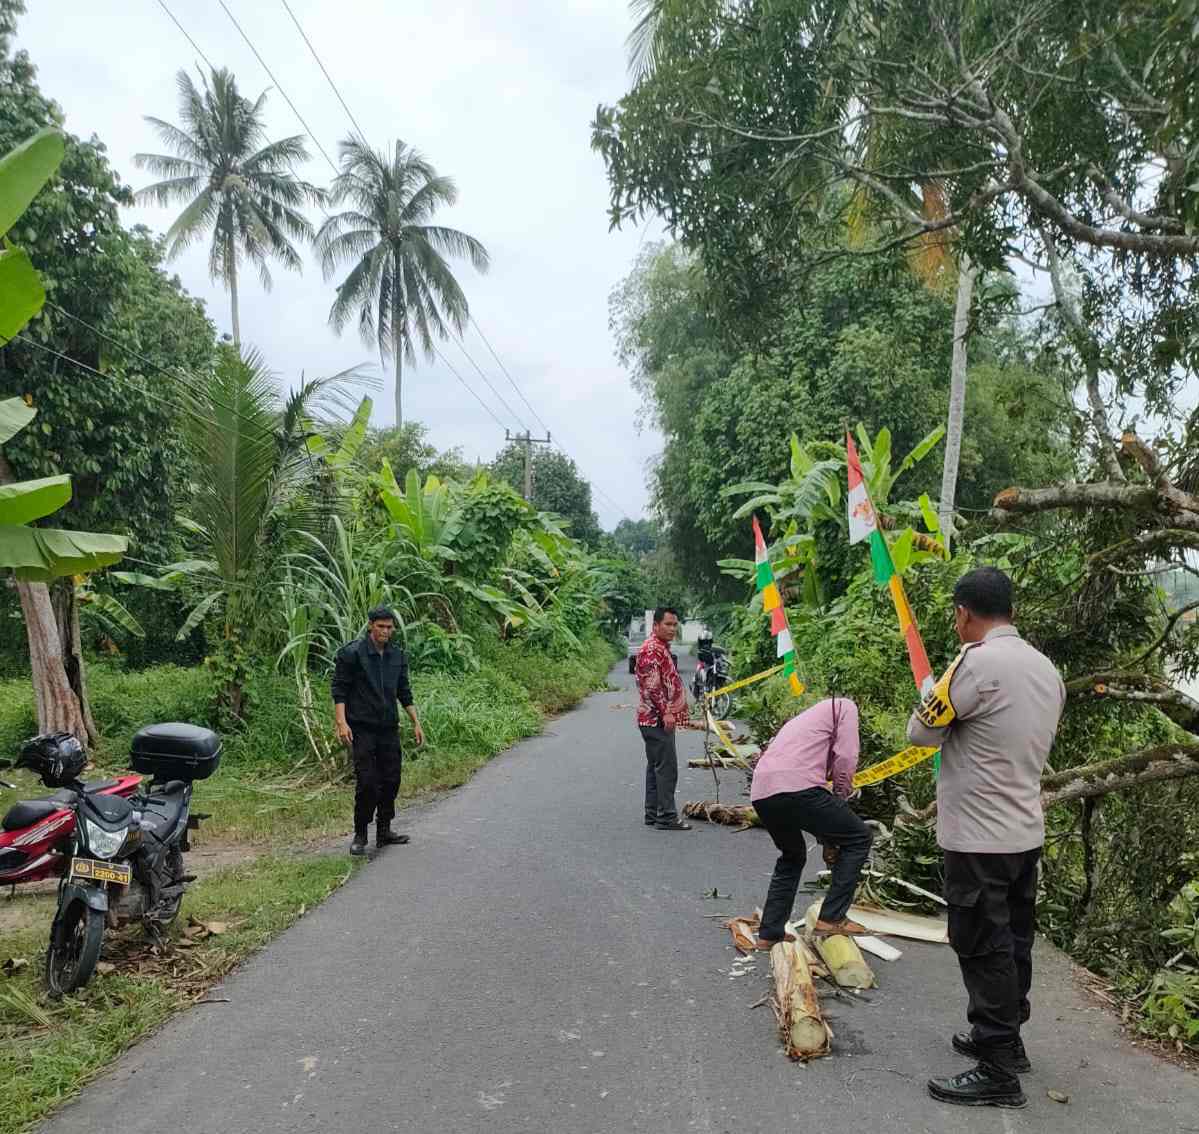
(232, 182)
(400, 286)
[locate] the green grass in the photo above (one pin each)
(48, 1051)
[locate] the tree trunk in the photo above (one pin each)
(967, 274)
(66, 616)
(58, 707)
(233, 298)
(397, 353)
(796, 1005)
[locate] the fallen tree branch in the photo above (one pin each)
(1088, 781)
(1182, 709)
(1099, 494)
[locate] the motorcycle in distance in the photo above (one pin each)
(125, 856)
(712, 672)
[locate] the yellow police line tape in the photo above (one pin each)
(875, 774)
(900, 762)
(744, 682)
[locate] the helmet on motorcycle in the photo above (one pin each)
(57, 757)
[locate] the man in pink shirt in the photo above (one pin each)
(791, 796)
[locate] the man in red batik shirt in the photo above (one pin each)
(662, 708)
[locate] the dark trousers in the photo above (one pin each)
(661, 774)
(992, 921)
(787, 816)
(377, 763)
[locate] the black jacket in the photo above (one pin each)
(370, 684)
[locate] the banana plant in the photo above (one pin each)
(429, 515)
(37, 554)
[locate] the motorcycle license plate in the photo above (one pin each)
(90, 870)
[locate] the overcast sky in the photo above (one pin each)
(498, 94)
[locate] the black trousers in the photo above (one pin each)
(787, 816)
(992, 921)
(661, 774)
(377, 764)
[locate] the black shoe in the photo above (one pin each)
(358, 846)
(673, 825)
(980, 1086)
(384, 838)
(651, 821)
(1014, 1058)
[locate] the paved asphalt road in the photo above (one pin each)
(538, 960)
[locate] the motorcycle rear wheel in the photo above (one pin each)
(721, 706)
(74, 948)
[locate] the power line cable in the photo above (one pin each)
(114, 378)
(469, 390)
(189, 39)
(487, 382)
(512, 380)
(461, 345)
(324, 71)
(278, 86)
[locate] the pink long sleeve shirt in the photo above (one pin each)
(808, 752)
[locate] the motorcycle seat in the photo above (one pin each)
(162, 808)
(26, 812)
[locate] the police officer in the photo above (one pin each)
(369, 678)
(994, 716)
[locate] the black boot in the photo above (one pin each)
(385, 838)
(1012, 1058)
(358, 846)
(983, 1085)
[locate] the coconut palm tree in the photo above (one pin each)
(400, 286)
(231, 180)
(261, 483)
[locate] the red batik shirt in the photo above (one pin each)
(659, 685)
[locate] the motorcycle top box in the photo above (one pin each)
(176, 751)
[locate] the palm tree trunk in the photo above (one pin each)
(967, 274)
(398, 362)
(233, 298)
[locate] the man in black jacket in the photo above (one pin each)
(370, 677)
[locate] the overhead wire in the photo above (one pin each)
(195, 46)
(461, 345)
(499, 397)
(324, 71)
(449, 366)
(279, 86)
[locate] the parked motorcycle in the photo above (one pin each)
(712, 672)
(34, 832)
(125, 854)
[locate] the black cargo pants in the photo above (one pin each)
(992, 922)
(787, 816)
(377, 765)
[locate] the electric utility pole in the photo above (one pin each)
(526, 441)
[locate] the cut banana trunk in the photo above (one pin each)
(842, 955)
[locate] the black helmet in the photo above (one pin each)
(57, 757)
